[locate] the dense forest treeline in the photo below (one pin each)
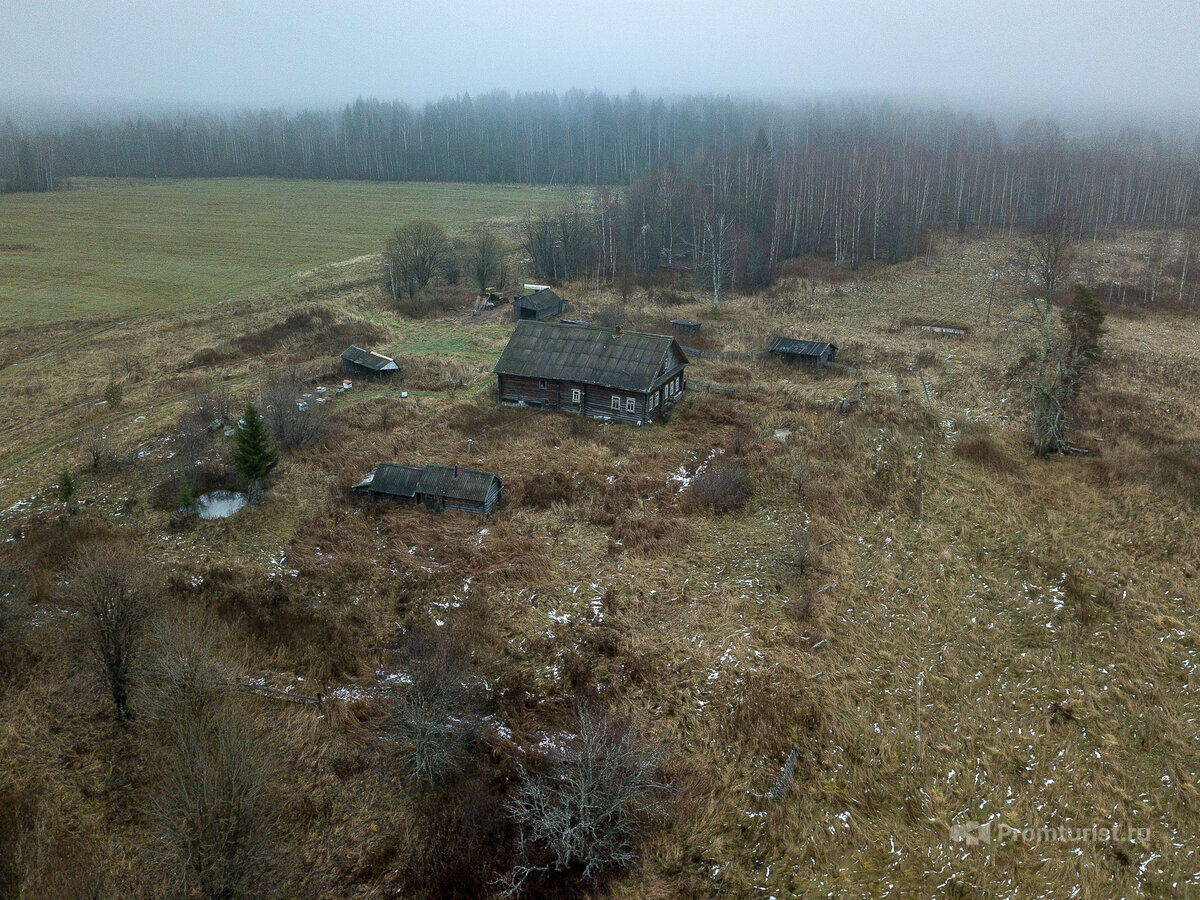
(856, 181)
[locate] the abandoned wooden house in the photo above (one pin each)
(437, 487)
(812, 353)
(538, 302)
(357, 361)
(602, 373)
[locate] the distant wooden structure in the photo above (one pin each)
(687, 326)
(359, 361)
(602, 373)
(436, 487)
(538, 303)
(810, 353)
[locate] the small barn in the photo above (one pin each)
(538, 302)
(602, 373)
(437, 487)
(358, 361)
(811, 353)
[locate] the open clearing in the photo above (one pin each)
(945, 629)
(114, 247)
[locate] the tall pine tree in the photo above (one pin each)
(254, 456)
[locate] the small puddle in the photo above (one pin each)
(219, 504)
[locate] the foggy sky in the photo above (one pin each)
(1123, 57)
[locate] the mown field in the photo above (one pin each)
(935, 627)
(114, 247)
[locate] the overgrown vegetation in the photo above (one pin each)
(904, 622)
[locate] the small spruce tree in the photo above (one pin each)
(113, 395)
(254, 456)
(66, 486)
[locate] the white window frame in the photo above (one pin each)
(630, 404)
(576, 395)
(616, 402)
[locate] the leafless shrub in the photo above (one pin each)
(295, 421)
(723, 488)
(435, 716)
(211, 806)
(112, 589)
(585, 813)
(95, 444)
(185, 671)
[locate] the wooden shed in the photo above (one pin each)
(358, 361)
(538, 303)
(437, 487)
(603, 373)
(812, 353)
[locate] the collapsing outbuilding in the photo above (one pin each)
(811, 353)
(358, 361)
(538, 302)
(437, 487)
(602, 373)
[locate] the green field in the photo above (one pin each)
(118, 247)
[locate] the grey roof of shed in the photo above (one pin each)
(781, 344)
(631, 362)
(471, 484)
(541, 300)
(432, 480)
(393, 479)
(368, 358)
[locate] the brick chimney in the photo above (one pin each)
(617, 332)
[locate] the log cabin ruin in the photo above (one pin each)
(538, 302)
(602, 373)
(436, 487)
(359, 361)
(811, 353)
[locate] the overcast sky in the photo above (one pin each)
(1031, 57)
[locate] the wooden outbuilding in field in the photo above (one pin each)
(603, 373)
(357, 361)
(539, 302)
(437, 487)
(687, 326)
(811, 353)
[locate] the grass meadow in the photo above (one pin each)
(112, 247)
(935, 627)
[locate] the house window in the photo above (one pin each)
(541, 384)
(630, 404)
(576, 395)
(616, 402)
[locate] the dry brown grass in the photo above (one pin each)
(1003, 638)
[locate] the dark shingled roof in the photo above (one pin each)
(588, 354)
(389, 478)
(368, 358)
(541, 300)
(432, 480)
(471, 484)
(800, 348)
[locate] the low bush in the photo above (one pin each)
(723, 488)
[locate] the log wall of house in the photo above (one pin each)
(595, 401)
